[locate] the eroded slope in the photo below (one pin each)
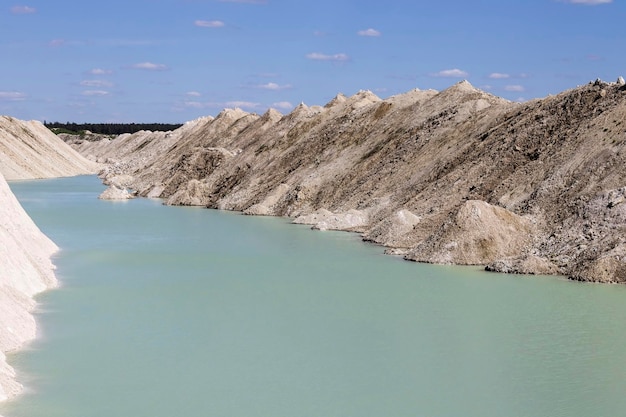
(457, 176)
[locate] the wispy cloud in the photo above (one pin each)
(95, 93)
(209, 23)
(245, 1)
(369, 32)
(150, 66)
(243, 104)
(55, 43)
(283, 105)
(194, 104)
(588, 2)
(193, 94)
(273, 86)
(516, 87)
(96, 83)
(12, 96)
(316, 56)
(451, 73)
(499, 76)
(99, 71)
(23, 10)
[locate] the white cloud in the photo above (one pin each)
(516, 88)
(193, 94)
(242, 104)
(96, 83)
(316, 56)
(369, 32)
(589, 2)
(12, 96)
(274, 86)
(99, 71)
(56, 42)
(149, 66)
(209, 23)
(283, 105)
(196, 104)
(95, 93)
(23, 10)
(499, 76)
(452, 73)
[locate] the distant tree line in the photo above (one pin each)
(108, 128)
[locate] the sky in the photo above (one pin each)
(171, 61)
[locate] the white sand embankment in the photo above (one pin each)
(26, 270)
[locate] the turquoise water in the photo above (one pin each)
(169, 311)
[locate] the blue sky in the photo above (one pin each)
(175, 60)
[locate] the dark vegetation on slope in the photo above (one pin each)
(108, 128)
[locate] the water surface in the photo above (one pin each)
(169, 311)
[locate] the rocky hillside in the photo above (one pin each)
(29, 150)
(458, 176)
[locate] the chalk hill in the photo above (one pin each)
(29, 150)
(457, 176)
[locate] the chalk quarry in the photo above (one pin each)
(458, 176)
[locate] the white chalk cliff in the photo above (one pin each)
(26, 270)
(27, 150)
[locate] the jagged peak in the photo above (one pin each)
(299, 109)
(363, 98)
(363, 95)
(462, 87)
(271, 115)
(235, 113)
(412, 96)
(338, 99)
(199, 120)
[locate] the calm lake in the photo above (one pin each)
(170, 311)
